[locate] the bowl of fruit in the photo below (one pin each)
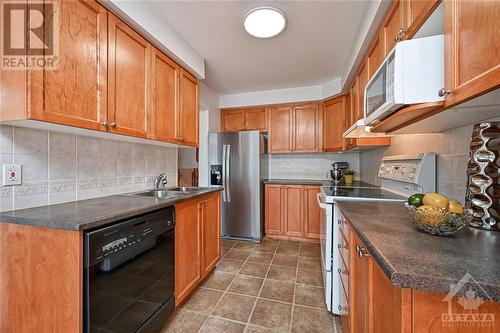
(436, 214)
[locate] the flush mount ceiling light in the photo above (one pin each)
(264, 22)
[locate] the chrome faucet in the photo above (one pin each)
(161, 180)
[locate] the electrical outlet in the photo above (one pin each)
(11, 174)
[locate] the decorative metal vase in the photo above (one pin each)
(483, 170)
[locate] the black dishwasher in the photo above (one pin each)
(129, 274)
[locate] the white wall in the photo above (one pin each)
(309, 166)
(144, 16)
(452, 147)
(209, 100)
(59, 167)
(277, 96)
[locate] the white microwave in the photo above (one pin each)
(412, 73)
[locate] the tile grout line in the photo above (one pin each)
(261, 287)
(294, 290)
(224, 293)
(228, 286)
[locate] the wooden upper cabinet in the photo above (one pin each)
(210, 231)
(274, 210)
(253, 119)
(293, 211)
(472, 49)
(75, 94)
(312, 212)
(363, 78)
(305, 129)
(280, 129)
(188, 109)
(374, 60)
(393, 26)
(256, 119)
(188, 250)
(164, 104)
(233, 120)
(333, 123)
(355, 115)
(129, 79)
(417, 12)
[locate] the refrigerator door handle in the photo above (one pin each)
(228, 173)
(224, 173)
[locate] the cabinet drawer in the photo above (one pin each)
(343, 226)
(343, 247)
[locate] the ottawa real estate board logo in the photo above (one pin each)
(464, 305)
(30, 35)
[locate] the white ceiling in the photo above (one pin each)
(315, 47)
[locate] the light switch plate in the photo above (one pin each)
(12, 174)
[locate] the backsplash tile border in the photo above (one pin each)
(44, 185)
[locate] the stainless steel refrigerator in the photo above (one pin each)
(238, 161)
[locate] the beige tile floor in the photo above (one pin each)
(275, 286)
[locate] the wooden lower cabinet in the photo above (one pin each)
(196, 242)
(292, 212)
(41, 279)
(375, 305)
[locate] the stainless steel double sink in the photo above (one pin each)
(169, 193)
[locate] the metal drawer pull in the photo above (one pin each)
(443, 91)
(339, 222)
(339, 246)
(362, 251)
(342, 308)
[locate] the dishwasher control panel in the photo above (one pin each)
(110, 240)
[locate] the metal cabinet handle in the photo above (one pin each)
(362, 251)
(339, 222)
(443, 91)
(340, 307)
(339, 246)
(105, 123)
(113, 124)
(339, 270)
(402, 31)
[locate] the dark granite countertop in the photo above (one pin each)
(417, 260)
(320, 182)
(92, 213)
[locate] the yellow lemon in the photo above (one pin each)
(436, 200)
(431, 215)
(455, 207)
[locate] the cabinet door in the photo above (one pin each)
(305, 133)
(256, 119)
(163, 125)
(355, 101)
(274, 210)
(360, 274)
(233, 120)
(391, 28)
(294, 211)
(312, 212)
(211, 232)
(75, 94)
(280, 130)
(375, 58)
(129, 79)
(333, 124)
(391, 305)
(188, 109)
(187, 248)
(363, 80)
(472, 49)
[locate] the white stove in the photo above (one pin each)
(400, 177)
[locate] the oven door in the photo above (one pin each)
(326, 241)
(137, 293)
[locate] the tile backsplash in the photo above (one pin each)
(452, 147)
(309, 166)
(59, 167)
